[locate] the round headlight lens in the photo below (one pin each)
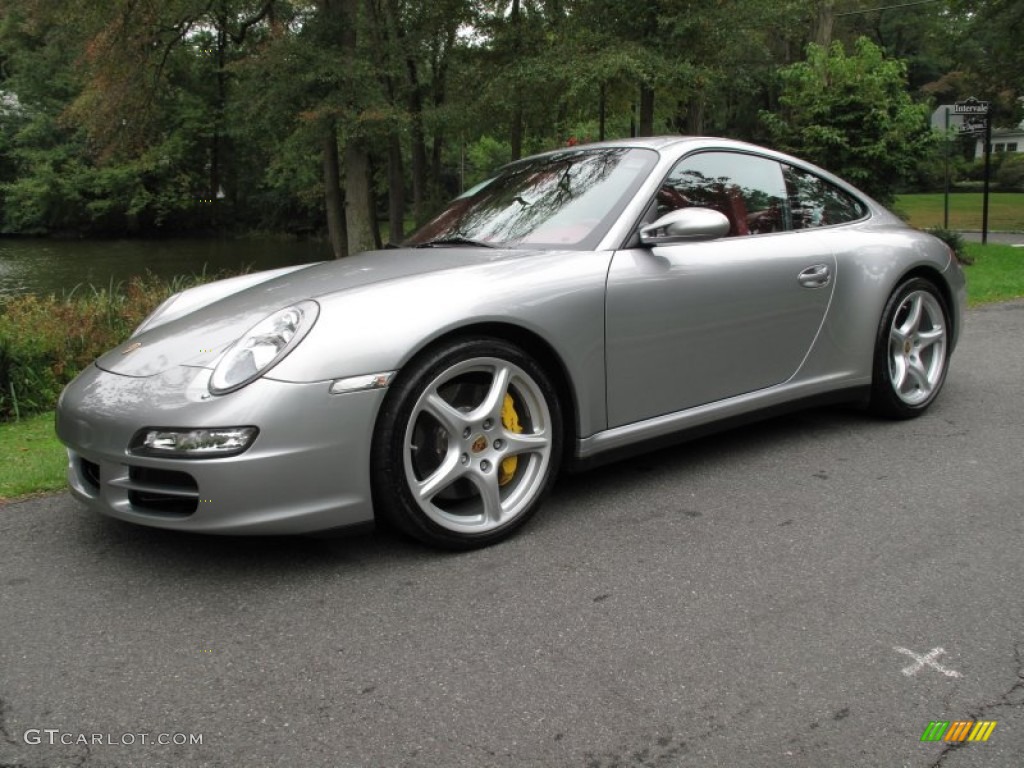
(263, 346)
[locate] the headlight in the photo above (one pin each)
(263, 346)
(193, 443)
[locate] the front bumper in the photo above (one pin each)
(308, 470)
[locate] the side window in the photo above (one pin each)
(749, 190)
(814, 202)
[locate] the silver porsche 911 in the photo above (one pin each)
(582, 302)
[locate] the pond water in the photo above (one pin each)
(29, 265)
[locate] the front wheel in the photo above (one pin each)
(911, 351)
(467, 444)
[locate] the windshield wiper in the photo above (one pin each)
(455, 240)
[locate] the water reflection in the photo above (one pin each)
(57, 266)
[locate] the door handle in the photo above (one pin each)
(817, 276)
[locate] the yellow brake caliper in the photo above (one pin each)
(510, 420)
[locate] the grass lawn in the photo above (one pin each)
(32, 460)
(1005, 210)
(31, 457)
(997, 273)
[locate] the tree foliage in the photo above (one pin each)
(322, 116)
(852, 114)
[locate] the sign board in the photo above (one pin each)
(972, 124)
(971, 107)
(975, 120)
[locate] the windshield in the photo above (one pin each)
(565, 200)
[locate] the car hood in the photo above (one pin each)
(200, 337)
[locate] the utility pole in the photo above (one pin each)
(945, 196)
(988, 168)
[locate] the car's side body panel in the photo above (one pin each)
(693, 323)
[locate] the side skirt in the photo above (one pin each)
(653, 434)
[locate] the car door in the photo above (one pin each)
(695, 322)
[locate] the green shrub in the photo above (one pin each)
(1010, 176)
(954, 240)
(46, 340)
(975, 170)
(930, 174)
(485, 156)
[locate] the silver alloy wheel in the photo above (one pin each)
(455, 444)
(917, 348)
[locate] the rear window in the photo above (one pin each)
(814, 202)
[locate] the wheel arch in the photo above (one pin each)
(536, 346)
(933, 276)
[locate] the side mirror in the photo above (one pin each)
(684, 225)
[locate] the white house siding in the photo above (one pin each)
(1002, 141)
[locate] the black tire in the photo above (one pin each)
(912, 351)
(467, 445)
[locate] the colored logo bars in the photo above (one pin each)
(958, 730)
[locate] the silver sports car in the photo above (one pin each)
(583, 302)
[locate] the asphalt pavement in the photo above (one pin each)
(997, 238)
(812, 591)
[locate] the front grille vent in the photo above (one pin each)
(161, 491)
(90, 473)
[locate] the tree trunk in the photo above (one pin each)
(418, 142)
(388, 39)
(646, 127)
(649, 13)
(516, 137)
(516, 129)
(396, 191)
(439, 70)
(439, 193)
(333, 198)
(358, 200)
(695, 115)
(359, 209)
(412, 95)
(823, 23)
(217, 141)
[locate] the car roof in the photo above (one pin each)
(648, 142)
(661, 143)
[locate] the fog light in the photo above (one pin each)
(193, 443)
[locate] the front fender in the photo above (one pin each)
(559, 297)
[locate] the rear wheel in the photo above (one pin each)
(911, 351)
(467, 445)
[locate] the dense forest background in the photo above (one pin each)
(331, 117)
